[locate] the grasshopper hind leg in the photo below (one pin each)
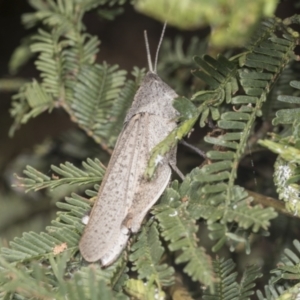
(172, 163)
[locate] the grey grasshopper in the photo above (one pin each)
(125, 195)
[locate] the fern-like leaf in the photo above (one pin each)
(66, 174)
(226, 287)
(208, 202)
(289, 267)
(247, 283)
(87, 283)
(179, 229)
(146, 256)
(93, 99)
(278, 292)
(110, 130)
(62, 235)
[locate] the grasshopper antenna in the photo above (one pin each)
(158, 47)
(148, 52)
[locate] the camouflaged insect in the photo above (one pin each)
(125, 195)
